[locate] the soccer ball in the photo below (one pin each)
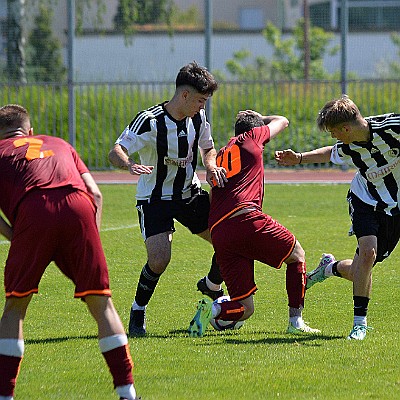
(219, 324)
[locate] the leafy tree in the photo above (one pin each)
(394, 67)
(288, 60)
(15, 41)
(244, 70)
(45, 55)
(288, 57)
(140, 12)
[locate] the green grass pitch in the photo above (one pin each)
(259, 361)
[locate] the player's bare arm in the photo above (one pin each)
(214, 174)
(290, 157)
(276, 123)
(119, 157)
(5, 229)
(93, 189)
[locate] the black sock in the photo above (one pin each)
(147, 283)
(335, 271)
(360, 306)
(214, 275)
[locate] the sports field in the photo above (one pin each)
(259, 361)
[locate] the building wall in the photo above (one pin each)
(157, 57)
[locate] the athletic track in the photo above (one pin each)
(272, 176)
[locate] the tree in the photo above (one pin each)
(15, 41)
(45, 57)
(241, 68)
(394, 67)
(289, 54)
(140, 12)
(288, 60)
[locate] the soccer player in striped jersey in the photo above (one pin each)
(167, 138)
(372, 146)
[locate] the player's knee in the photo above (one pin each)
(298, 255)
(368, 255)
(248, 311)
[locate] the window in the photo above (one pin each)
(364, 15)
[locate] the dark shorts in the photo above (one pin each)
(158, 216)
(56, 225)
(240, 240)
(368, 222)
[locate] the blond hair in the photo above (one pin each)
(336, 112)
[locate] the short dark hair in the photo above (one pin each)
(13, 116)
(197, 77)
(336, 112)
(246, 122)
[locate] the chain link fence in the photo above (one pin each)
(34, 72)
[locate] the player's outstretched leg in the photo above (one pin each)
(318, 274)
(200, 321)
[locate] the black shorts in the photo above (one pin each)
(158, 216)
(367, 221)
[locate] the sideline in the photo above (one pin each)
(275, 176)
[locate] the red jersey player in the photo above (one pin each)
(242, 233)
(53, 207)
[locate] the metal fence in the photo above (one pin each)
(103, 110)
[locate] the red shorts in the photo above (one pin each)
(240, 240)
(56, 225)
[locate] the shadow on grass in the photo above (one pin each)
(308, 340)
(233, 337)
(60, 339)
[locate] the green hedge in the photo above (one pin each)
(103, 110)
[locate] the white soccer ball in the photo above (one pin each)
(221, 325)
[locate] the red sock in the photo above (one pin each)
(9, 369)
(231, 311)
(120, 363)
(296, 283)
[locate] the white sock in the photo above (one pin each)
(127, 392)
(12, 347)
(112, 342)
(297, 321)
(135, 306)
(360, 320)
(6, 398)
(212, 286)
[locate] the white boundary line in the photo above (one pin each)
(116, 228)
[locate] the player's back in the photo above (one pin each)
(36, 162)
(242, 157)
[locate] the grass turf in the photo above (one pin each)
(259, 361)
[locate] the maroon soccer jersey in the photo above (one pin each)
(36, 162)
(242, 158)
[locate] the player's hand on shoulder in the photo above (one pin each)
(286, 157)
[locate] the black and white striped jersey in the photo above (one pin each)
(377, 181)
(171, 147)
